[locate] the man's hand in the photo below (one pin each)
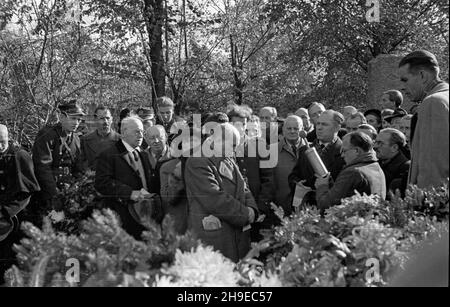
(301, 184)
(135, 195)
(141, 194)
(320, 181)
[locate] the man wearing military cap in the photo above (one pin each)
(56, 152)
(147, 116)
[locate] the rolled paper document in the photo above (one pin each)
(316, 162)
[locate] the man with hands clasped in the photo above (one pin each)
(221, 207)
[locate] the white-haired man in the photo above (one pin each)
(288, 152)
(123, 175)
(221, 207)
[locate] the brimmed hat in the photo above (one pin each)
(375, 112)
(70, 107)
(146, 113)
(391, 117)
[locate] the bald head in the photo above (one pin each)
(4, 138)
(225, 142)
(155, 130)
(348, 111)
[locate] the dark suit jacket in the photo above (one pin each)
(364, 175)
(331, 157)
(92, 144)
(115, 179)
(396, 173)
(311, 136)
(173, 196)
(155, 166)
(17, 183)
(260, 180)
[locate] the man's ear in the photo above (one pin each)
(396, 147)
(425, 75)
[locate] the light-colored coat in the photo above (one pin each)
(286, 163)
(429, 152)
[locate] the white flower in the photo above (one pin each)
(203, 267)
(165, 281)
(56, 216)
(268, 279)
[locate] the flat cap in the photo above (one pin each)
(419, 57)
(375, 112)
(70, 107)
(146, 113)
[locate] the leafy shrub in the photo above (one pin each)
(106, 253)
(336, 250)
(307, 249)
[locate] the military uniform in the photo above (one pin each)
(56, 158)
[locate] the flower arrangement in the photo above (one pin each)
(339, 248)
(201, 267)
(362, 242)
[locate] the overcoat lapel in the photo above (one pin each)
(124, 156)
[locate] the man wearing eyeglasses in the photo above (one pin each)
(389, 146)
(103, 137)
(361, 173)
(56, 152)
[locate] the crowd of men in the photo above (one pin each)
(225, 198)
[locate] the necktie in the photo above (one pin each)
(294, 149)
(136, 156)
(320, 146)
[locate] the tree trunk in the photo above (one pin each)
(237, 72)
(154, 20)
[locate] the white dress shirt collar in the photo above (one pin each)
(128, 147)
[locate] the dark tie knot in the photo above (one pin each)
(320, 147)
(136, 155)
